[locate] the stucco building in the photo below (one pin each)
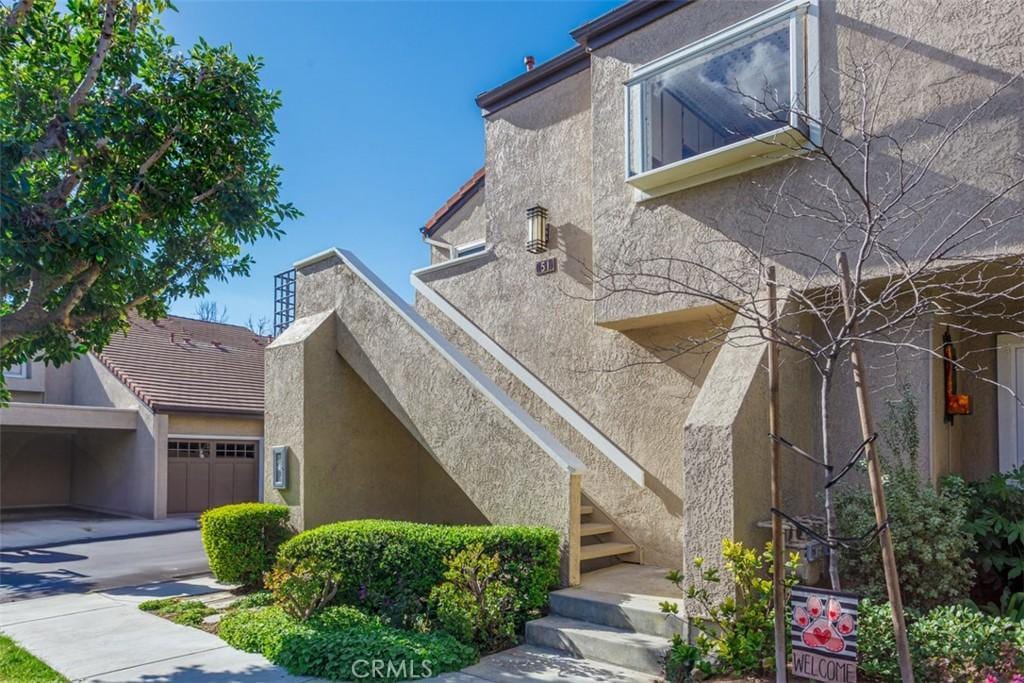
(167, 420)
(522, 387)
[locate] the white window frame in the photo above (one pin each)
(20, 371)
(469, 248)
(803, 133)
(1006, 376)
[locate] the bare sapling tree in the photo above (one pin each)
(931, 239)
(211, 312)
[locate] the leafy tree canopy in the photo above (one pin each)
(131, 173)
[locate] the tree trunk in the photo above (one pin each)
(826, 457)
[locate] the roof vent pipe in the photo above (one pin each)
(529, 61)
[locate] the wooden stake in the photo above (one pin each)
(778, 543)
(892, 579)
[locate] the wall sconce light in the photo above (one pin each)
(956, 404)
(536, 230)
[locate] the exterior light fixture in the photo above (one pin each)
(536, 230)
(956, 404)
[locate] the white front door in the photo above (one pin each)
(1010, 373)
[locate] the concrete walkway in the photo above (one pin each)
(68, 526)
(105, 637)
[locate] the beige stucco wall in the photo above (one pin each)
(957, 53)
(350, 456)
(214, 425)
(124, 472)
(506, 474)
(35, 468)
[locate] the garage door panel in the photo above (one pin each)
(198, 486)
(223, 483)
(203, 474)
(245, 482)
(177, 486)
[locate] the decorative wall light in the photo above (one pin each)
(536, 230)
(956, 404)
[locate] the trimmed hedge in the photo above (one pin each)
(342, 643)
(389, 567)
(241, 541)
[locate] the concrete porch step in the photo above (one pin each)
(636, 613)
(610, 549)
(636, 651)
(594, 528)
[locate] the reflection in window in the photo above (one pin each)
(725, 90)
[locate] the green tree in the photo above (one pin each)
(131, 172)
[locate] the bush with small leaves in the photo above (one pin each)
(736, 635)
(473, 603)
(241, 541)
(302, 589)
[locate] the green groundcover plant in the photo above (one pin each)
(343, 643)
(949, 643)
(389, 568)
(241, 540)
(184, 612)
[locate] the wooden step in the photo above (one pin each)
(586, 509)
(593, 529)
(592, 552)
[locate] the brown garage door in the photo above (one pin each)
(202, 474)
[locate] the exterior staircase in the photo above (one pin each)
(602, 542)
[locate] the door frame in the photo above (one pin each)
(226, 437)
(1006, 372)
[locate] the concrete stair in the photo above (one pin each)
(626, 631)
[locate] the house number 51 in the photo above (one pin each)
(547, 266)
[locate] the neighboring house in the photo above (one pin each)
(167, 419)
(515, 392)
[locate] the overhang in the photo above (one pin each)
(55, 416)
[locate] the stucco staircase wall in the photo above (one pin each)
(648, 515)
(510, 467)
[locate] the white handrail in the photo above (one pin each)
(509, 362)
(523, 420)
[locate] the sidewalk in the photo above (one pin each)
(19, 534)
(105, 637)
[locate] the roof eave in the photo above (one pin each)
(567, 64)
(612, 25)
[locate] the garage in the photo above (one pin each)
(205, 473)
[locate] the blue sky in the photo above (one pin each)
(378, 126)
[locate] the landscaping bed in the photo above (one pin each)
(368, 599)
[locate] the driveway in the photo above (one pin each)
(91, 565)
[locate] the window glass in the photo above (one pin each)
(728, 93)
(19, 371)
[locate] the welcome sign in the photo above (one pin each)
(824, 634)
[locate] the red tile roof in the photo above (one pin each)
(179, 364)
(468, 189)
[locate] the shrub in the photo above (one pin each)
(927, 527)
(389, 568)
(242, 540)
(303, 590)
(682, 660)
(736, 635)
(341, 643)
(995, 517)
(474, 604)
(949, 643)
